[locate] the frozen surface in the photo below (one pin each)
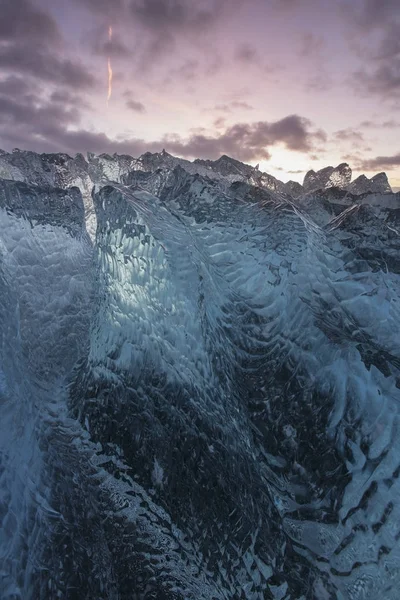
(200, 400)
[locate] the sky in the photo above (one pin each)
(288, 84)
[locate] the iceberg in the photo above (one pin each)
(199, 382)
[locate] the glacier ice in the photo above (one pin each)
(199, 383)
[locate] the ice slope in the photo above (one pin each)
(203, 402)
(45, 254)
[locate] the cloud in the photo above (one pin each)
(132, 103)
(295, 132)
(389, 46)
(247, 54)
(293, 172)
(383, 80)
(32, 45)
(377, 25)
(45, 65)
(219, 123)
(15, 86)
(159, 15)
(164, 26)
(370, 14)
(115, 48)
(135, 106)
(32, 120)
(63, 97)
(31, 112)
(20, 19)
(108, 9)
(350, 135)
(381, 162)
(391, 124)
(250, 141)
(51, 127)
(153, 29)
(311, 45)
(187, 71)
(232, 105)
(178, 15)
(44, 125)
(319, 82)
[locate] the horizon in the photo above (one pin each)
(283, 180)
(205, 80)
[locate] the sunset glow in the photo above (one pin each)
(264, 81)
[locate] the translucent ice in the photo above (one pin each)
(200, 401)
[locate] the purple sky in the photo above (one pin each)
(289, 84)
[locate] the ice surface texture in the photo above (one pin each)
(200, 400)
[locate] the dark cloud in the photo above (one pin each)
(383, 80)
(132, 103)
(32, 45)
(33, 113)
(389, 46)
(108, 9)
(75, 141)
(293, 4)
(15, 86)
(350, 135)
(52, 126)
(380, 125)
(219, 123)
(116, 48)
(66, 98)
(250, 141)
(247, 54)
(381, 162)
(239, 141)
(377, 25)
(311, 45)
(166, 25)
(319, 82)
(135, 106)
(30, 120)
(370, 14)
(162, 15)
(153, 50)
(158, 27)
(44, 64)
(295, 132)
(188, 71)
(177, 15)
(294, 172)
(21, 19)
(233, 105)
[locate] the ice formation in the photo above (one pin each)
(199, 384)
